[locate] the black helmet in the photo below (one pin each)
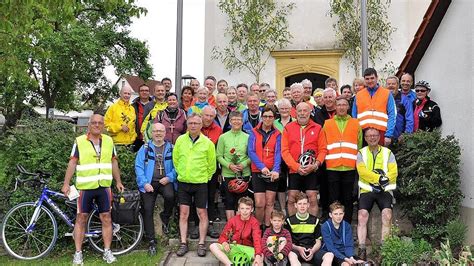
(423, 83)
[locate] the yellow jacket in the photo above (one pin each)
(121, 113)
(158, 107)
(366, 163)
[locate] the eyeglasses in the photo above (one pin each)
(267, 116)
(261, 90)
(194, 123)
(96, 123)
(421, 90)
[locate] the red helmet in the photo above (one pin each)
(237, 186)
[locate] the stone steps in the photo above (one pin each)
(191, 258)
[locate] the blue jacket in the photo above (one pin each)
(247, 126)
(391, 111)
(411, 96)
(338, 241)
(404, 123)
(144, 172)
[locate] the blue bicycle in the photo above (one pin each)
(30, 229)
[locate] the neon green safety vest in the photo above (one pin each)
(92, 172)
(380, 162)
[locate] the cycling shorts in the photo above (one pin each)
(101, 196)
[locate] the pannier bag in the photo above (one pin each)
(126, 207)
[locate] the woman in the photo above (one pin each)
(284, 107)
(187, 96)
(231, 153)
(264, 152)
(173, 117)
(318, 97)
(234, 105)
(427, 114)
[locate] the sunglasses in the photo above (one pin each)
(421, 90)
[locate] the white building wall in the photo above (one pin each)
(312, 29)
(448, 66)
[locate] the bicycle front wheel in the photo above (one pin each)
(125, 237)
(30, 243)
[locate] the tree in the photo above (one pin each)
(347, 29)
(255, 28)
(53, 53)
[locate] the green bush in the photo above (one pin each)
(429, 182)
(445, 256)
(456, 234)
(126, 159)
(399, 250)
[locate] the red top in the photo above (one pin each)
(246, 233)
(283, 233)
(212, 132)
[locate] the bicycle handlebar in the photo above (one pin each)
(38, 176)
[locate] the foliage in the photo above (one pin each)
(428, 167)
(445, 256)
(398, 250)
(53, 53)
(456, 234)
(126, 159)
(255, 28)
(347, 27)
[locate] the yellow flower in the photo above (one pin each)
(274, 238)
(280, 256)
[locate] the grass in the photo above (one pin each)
(137, 257)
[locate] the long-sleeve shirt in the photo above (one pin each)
(255, 158)
(270, 233)
(391, 111)
(338, 241)
(243, 232)
(236, 141)
(404, 123)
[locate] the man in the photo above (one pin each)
(210, 84)
(222, 117)
(194, 157)
(93, 153)
(374, 107)
(255, 88)
(139, 106)
(303, 150)
(167, 83)
(154, 107)
(331, 83)
(222, 86)
(287, 93)
(155, 175)
(308, 91)
(242, 91)
(270, 98)
(120, 119)
(406, 82)
(328, 110)
(404, 122)
(378, 172)
(252, 115)
(296, 97)
(343, 137)
(261, 93)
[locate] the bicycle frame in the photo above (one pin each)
(45, 198)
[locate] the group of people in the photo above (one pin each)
(255, 149)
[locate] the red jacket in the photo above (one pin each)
(246, 233)
(294, 136)
(212, 132)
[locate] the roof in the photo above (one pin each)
(425, 33)
(135, 82)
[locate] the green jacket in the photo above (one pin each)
(227, 142)
(194, 162)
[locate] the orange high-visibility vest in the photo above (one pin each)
(342, 146)
(372, 111)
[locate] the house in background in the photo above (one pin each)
(442, 54)
(135, 82)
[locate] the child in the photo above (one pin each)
(306, 233)
(276, 235)
(240, 241)
(337, 237)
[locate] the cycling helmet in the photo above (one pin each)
(237, 186)
(307, 158)
(240, 259)
(423, 83)
(266, 178)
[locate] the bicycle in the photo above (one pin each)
(30, 229)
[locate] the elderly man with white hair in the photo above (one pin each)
(296, 97)
(120, 119)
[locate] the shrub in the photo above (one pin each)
(456, 234)
(126, 159)
(445, 255)
(428, 176)
(403, 250)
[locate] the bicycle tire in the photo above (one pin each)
(125, 238)
(14, 223)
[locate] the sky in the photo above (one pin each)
(158, 29)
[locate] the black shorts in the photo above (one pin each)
(283, 181)
(188, 191)
(260, 186)
(101, 196)
(303, 183)
(318, 257)
(383, 200)
(231, 199)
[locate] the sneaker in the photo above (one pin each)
(77, 260)
(165, 229)
(363, 254)
(201, 250)
(152, 248)
(211, 232)
(109, 257)
(194, 233)
(182, 250)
